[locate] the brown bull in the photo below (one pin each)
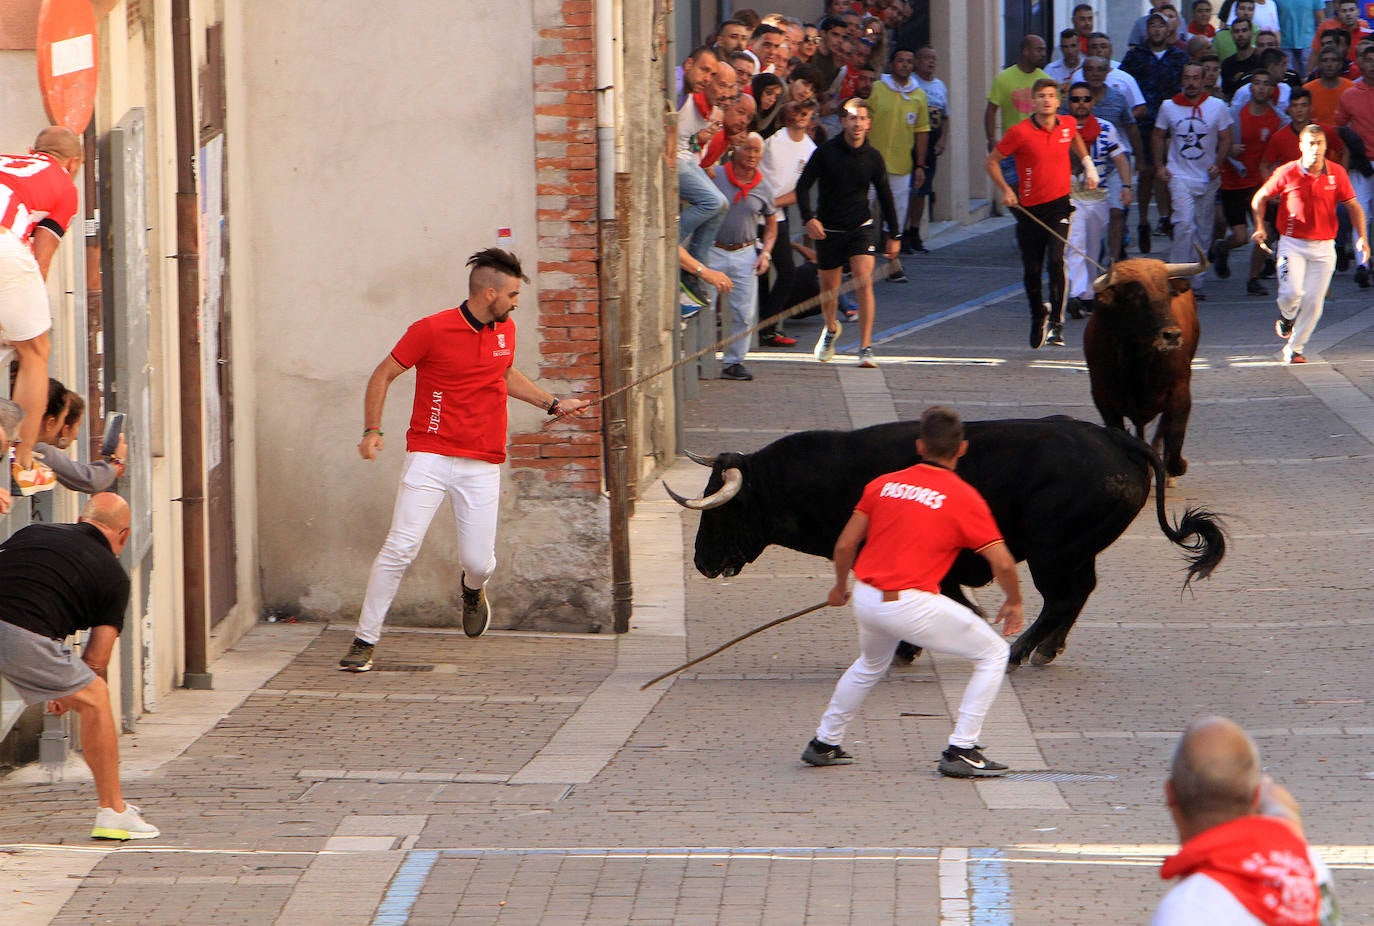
(1139, 344)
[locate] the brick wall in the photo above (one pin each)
(568, 453)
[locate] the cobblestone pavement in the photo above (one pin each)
(524, 778)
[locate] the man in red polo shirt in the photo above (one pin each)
(904, 535)
(1041, 146)
(1308, 190)
(456, 442)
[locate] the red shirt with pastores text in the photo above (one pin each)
(460, 384)
(919, 519)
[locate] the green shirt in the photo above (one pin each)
(1011, 94)
(1223, 44)
(897, 118)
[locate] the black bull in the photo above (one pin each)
(1062, 490)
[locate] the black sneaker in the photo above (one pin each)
(898, 276)
(1076, 307)
(1056, 336)
(818, 753)
(958, 762)
(1283, 328)
(359, 658)
(696, 288)
(1143, 230)
(1165, 228)
(1255, 288)
(1221, 263)
(736, 371)
(476, 610)
(1362, 277)
(1039, 326)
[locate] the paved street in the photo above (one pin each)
(522, 778)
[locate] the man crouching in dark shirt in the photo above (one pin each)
(57, 579)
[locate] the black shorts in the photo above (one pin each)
(1235, 206)
(1145, 155)
(834, 250)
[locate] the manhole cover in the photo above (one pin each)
(402, 668)
(1056, 777)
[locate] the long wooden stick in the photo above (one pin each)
(720, 649)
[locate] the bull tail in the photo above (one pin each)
(1199, 531)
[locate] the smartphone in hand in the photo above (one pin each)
(114, 427)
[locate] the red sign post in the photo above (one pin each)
(67, 61)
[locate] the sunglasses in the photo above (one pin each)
(1080, 99)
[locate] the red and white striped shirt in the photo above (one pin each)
(35, 189)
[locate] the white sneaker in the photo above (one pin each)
(825, 347)
(126, 825)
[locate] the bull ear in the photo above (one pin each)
(1105, 297)
(1180, 284)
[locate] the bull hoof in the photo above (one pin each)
(1042, 658)
(1170, 482)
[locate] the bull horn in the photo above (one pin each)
(734, 479)
(698, 458)
(1188, 270)
(1104, 281)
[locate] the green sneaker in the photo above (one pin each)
(476, 610)
(359, 658)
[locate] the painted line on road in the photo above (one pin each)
(405, 888)
(989, 885)
(936, 318)
(1350, 855)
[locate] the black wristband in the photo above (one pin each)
(553, 407)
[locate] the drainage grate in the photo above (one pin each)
(1056, 777)
(402, 668)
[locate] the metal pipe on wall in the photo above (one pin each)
(196, 626)
(614, 333)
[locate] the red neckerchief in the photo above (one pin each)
(743, 188)
(1090, 130)
(1182, 100)
(1209, 30)
(703, 107)
(1261, 862)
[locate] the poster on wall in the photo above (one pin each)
(211, 285)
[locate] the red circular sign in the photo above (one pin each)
(67, 61)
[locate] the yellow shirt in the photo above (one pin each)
(1011, 94)
(897, 119)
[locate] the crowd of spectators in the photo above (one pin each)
(782, 83)
(1266, 68)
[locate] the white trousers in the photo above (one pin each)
(1087, 229)
(1304, 269)
(930, 621)
(473, 488)
(1194, 214)
(1364, 195)
(900, 185)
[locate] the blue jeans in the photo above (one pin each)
(705, 209)
(743, 301)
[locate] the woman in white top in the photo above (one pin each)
(784, 155)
